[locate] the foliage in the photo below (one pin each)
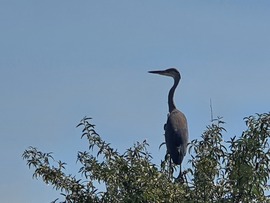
(221, 171)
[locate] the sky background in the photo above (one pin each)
(63, 60)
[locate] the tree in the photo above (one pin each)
(221, 171)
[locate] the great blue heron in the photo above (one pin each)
(176, 128)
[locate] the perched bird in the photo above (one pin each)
(176, 128)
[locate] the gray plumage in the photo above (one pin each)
(176, 128)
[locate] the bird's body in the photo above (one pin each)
(176, 128)
(176, 136)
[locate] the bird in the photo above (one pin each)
(176, 127)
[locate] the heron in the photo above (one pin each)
(176, 128)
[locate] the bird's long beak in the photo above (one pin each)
(160, 72)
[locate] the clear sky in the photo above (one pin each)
(63, 60)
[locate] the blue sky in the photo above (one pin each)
(63, 60)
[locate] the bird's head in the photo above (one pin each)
(172, 72)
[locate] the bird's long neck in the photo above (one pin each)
(171, 94)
